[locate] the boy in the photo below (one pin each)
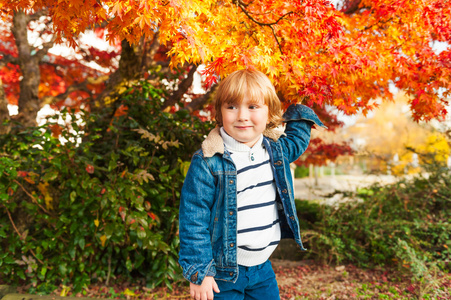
(237, 200)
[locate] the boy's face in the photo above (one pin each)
(245, 122)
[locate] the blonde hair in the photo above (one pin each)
(256, 86)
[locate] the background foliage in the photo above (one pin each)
(406, 224)
(100, 204)
(394, 147)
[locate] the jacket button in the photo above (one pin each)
(231, 181)
(231, 273)
(232, 244)
(278, 163)
(194, 277)
(230, 212)
(292, 218)
(284, 191)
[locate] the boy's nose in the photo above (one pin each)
(243, 115)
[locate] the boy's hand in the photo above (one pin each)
(205, 290)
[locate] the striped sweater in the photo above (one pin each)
(258, 221)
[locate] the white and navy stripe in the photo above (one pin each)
(258, 228)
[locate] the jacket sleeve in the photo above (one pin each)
(299, 121)
(197, 198)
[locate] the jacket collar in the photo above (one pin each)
(214, 143)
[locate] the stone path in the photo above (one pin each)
(306, 189)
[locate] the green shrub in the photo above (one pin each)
(406, 224)
(104, 204)
(308, 213)
(301, 172)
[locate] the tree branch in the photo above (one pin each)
(19, 234)
(350, 7)
(200, 102)
(181, 89)
(248, 14)
(8, 59)
(270, 25)
(377, 23)
(81, 86)
(277, 40)
(45, 29)
(32, 197)
(45, 49)
(37, 15)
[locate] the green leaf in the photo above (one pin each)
(141, 234)
(74, 226)
(184, 166)
(73, 196)
(109, 229)
(71, 252)
(20, 273)
(50, 176)
(62, 268)
(81, 243)
(112, 165)
(9, 260)
(129, 265)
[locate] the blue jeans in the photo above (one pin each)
(258, 282)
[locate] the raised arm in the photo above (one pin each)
(299, 121)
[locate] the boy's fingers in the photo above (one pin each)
(195, 295)
(210, 295)
(205, 296)
(215, 287)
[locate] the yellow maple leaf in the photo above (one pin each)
(65, 291)
(47, 198)
(128, 292)
(103, 239)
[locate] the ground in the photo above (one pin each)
(303, 280)
(310, 280)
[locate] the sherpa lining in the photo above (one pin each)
(214, 143)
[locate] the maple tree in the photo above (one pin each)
(32, 76)
(344, 56)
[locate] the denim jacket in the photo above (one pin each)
(208, 205)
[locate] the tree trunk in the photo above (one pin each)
(4, 112)
(135, 61)
(29, 65)
(129, 70)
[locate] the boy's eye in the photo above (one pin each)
(253, 106)
(231, 107)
